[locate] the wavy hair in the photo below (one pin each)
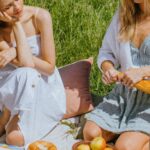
(129, 15)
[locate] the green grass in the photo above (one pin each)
(79, 27)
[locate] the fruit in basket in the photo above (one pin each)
(98, 143)
(83, 147)
(42, 145)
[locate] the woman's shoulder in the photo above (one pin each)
(115, 18)
(37, 12)
(115, 23)
(42, 18)
(31, 10)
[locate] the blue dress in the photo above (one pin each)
(125, 109)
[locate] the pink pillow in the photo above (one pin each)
(76, 82)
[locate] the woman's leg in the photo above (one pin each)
(4, 118)
(92, 130)
(132, 141)
(146, 145)
(13, 133)
(22, 81)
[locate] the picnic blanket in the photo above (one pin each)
(63, 135)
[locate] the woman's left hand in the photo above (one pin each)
(132, 76)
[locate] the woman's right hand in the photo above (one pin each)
(5, 57)
(16, 63)
(6, 18)
(110, 76)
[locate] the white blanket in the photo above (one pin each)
(63, 135)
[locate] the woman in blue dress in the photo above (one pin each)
(125, 111)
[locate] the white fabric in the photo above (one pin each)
(39, 100)
(114, 50)
(61, 135)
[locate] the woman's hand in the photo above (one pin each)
(132, 76)
(6, 18)
(110, 76)
(5, 57)
(16, 63)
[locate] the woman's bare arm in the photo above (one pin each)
(46, 62)
(7, 53)
(106, 65)
(24, 53)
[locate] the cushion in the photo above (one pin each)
(75, 78)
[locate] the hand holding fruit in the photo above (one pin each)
(110, 76)
(143, 85)
(132, 76)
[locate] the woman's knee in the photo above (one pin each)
(15, 138)
(146, 145)
(91, 130)
(123, 145)
(131, 141)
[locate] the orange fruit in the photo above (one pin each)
(98, 143)
(40, 145)
(83, 147)
(108, 148)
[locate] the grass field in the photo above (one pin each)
(79, 27)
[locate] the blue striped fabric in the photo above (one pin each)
(125, 109)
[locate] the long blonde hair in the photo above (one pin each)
(129, 15)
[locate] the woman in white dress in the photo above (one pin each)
(31, 89)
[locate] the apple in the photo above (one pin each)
(98, 143)
(83, 147)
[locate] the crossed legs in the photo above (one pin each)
(13, 133)
(126, 141)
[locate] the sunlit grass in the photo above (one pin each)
(79, 27)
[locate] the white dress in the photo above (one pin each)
(39, 100)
